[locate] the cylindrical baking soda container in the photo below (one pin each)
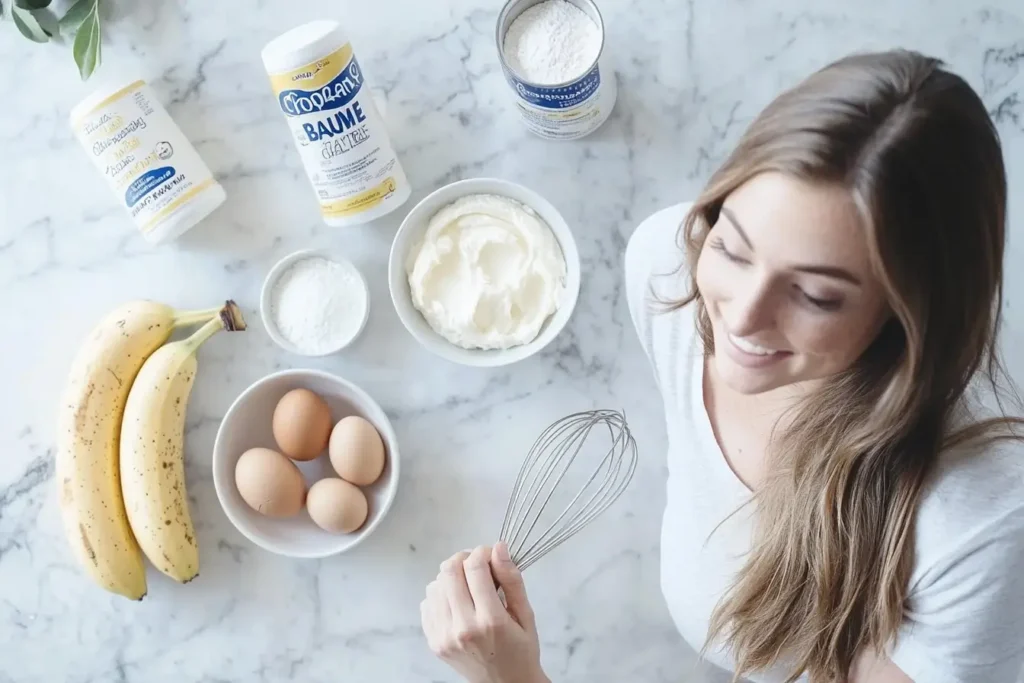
(148, 162)
(338, 131)
(584, 96)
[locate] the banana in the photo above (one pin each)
(89, 427)
(152, 451)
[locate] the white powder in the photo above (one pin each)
(552, 42)
(319, 305)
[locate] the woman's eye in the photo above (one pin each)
(828, 305)
(719, 246)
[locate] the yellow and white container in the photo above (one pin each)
(148, 162)
(340, 135)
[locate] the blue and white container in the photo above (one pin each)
(562, 111)
(152, 168)
(338, 131)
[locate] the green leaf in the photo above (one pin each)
(47, 21)
(87, 43)
(32, 4)
(28, 25)
(76, 14)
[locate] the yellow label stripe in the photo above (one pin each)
(176, 203)
(361, 202)
(113, 98)
(316, 74)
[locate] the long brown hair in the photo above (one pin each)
(827, 578)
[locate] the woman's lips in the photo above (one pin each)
(747, 359)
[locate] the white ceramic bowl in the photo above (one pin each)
(268, 289)
(411, 232)
(247, 424)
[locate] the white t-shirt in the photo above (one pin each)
(964, 618)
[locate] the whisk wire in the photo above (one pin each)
(528, 513)
(579, 438)
(608, 497)
(543, 472)
(599, 501)
(533, 478)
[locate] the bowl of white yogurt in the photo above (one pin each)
(484, 272)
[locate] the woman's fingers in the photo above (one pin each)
(453, 580)
(481, 584)
(511, 581)
(437, 597)
(427, 623)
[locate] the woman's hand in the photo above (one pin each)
(468, 627)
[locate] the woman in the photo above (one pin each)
(839, 505)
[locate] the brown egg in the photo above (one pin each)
(270, 483)
(336, 506)
(357, 451)
(302, 424)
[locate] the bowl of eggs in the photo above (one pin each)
(305, 464)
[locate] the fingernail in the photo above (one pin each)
(501, 549)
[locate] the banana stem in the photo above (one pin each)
(203, 333)
(186, 318)
(233, 320)
(231, 314)
(228, 317)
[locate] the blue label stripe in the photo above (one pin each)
(141, 186)
(562, 97)
(342, 89)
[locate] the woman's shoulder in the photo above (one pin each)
(984, 473)
(654, 247)
(965, 606)
(655, 262)
(973, 501)
(655, 274)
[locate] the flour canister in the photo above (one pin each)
(340, 135)
(563, 111)
(147, 161)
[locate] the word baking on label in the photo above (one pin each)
(337, 124)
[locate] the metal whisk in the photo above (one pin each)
(546, 465)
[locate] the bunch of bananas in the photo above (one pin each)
(120, 457)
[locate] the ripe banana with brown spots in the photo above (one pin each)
(152, 451)
(89, 428)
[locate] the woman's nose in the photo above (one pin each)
(750, 312)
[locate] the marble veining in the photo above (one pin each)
(692, 74)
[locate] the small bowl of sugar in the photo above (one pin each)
(314, 302)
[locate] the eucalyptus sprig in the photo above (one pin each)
(38, 23)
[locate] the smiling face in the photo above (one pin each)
(786, 278)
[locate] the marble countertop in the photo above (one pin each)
(691, 75)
